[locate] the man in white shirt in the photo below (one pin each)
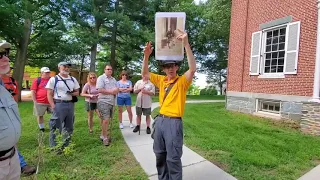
(60, 91)
(145, 89)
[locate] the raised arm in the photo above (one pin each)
(145, 64)
(191, 60)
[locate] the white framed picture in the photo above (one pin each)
(167, 47)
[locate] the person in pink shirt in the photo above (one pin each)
(91, 93)
(39, 96)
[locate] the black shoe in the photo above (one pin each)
(148, 130)
(42, 129)
(136, 129)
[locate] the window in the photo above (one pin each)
(269, 106)
(275, 50)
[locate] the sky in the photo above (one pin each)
(201, 81)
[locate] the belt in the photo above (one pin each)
(13, 151)
(61, 101)
(169, 117)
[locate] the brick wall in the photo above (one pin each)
(259, 12)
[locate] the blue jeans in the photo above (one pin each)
(23, 163)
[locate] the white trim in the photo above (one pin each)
(263, 49)
(292, 51)
(267, 115)
(272, 75)
(275, 27)
(316, 79)
(258, 55)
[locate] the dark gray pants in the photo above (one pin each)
(167, 146)
(62, 118)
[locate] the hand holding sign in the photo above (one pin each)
(182, 36)
(148, 49)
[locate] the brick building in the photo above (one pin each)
(273, 58)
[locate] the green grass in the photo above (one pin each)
(205, 97)
(91, 160)
(249, 147)
(189, 97)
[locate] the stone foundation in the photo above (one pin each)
(310, 120)
(241, 104)
(291, 110)
(296, 108)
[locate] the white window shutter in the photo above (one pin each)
(292, 48)
(255, 53)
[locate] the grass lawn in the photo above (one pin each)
(249, 147)
(205, 97)
(91, 160)
(189, 97)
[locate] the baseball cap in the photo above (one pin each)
(64, 64)
(44, 69)
(162, 63)
(4, 46)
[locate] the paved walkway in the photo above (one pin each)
(195, 167)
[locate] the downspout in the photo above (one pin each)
(245, 45)
(316, 82)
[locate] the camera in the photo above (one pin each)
(69, 92)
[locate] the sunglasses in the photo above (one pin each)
(4, 54)
(109, 69)
(123, 75)
(92, 77)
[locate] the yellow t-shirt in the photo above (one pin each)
(175, 101)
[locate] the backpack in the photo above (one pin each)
(13, 81)
(74, 98)
(56, 81)
(38, 81)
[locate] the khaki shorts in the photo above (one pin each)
(41, 109)
(105, 110)
(145, 111)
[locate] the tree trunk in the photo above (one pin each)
(21, 56)
(220, 83)
(93, 56)
(81, 73)
(113, 62)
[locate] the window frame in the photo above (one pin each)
(262, 73)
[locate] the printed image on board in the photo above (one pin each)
(167, 47)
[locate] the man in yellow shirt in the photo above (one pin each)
(168, 132)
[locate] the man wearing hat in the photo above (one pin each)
(39, 96)
(60, 91)
(10, 126)
(168, 129)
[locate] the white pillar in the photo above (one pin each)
(316, 82)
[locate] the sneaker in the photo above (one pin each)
(101, 138)
(106, 141)
(131, 125)
(148, 130)
(121, 126)
(136, 129)
(28, 170)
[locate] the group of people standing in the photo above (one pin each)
(103, 93)
(58, 94)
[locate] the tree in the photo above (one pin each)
(26, 21)
(213, 39)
